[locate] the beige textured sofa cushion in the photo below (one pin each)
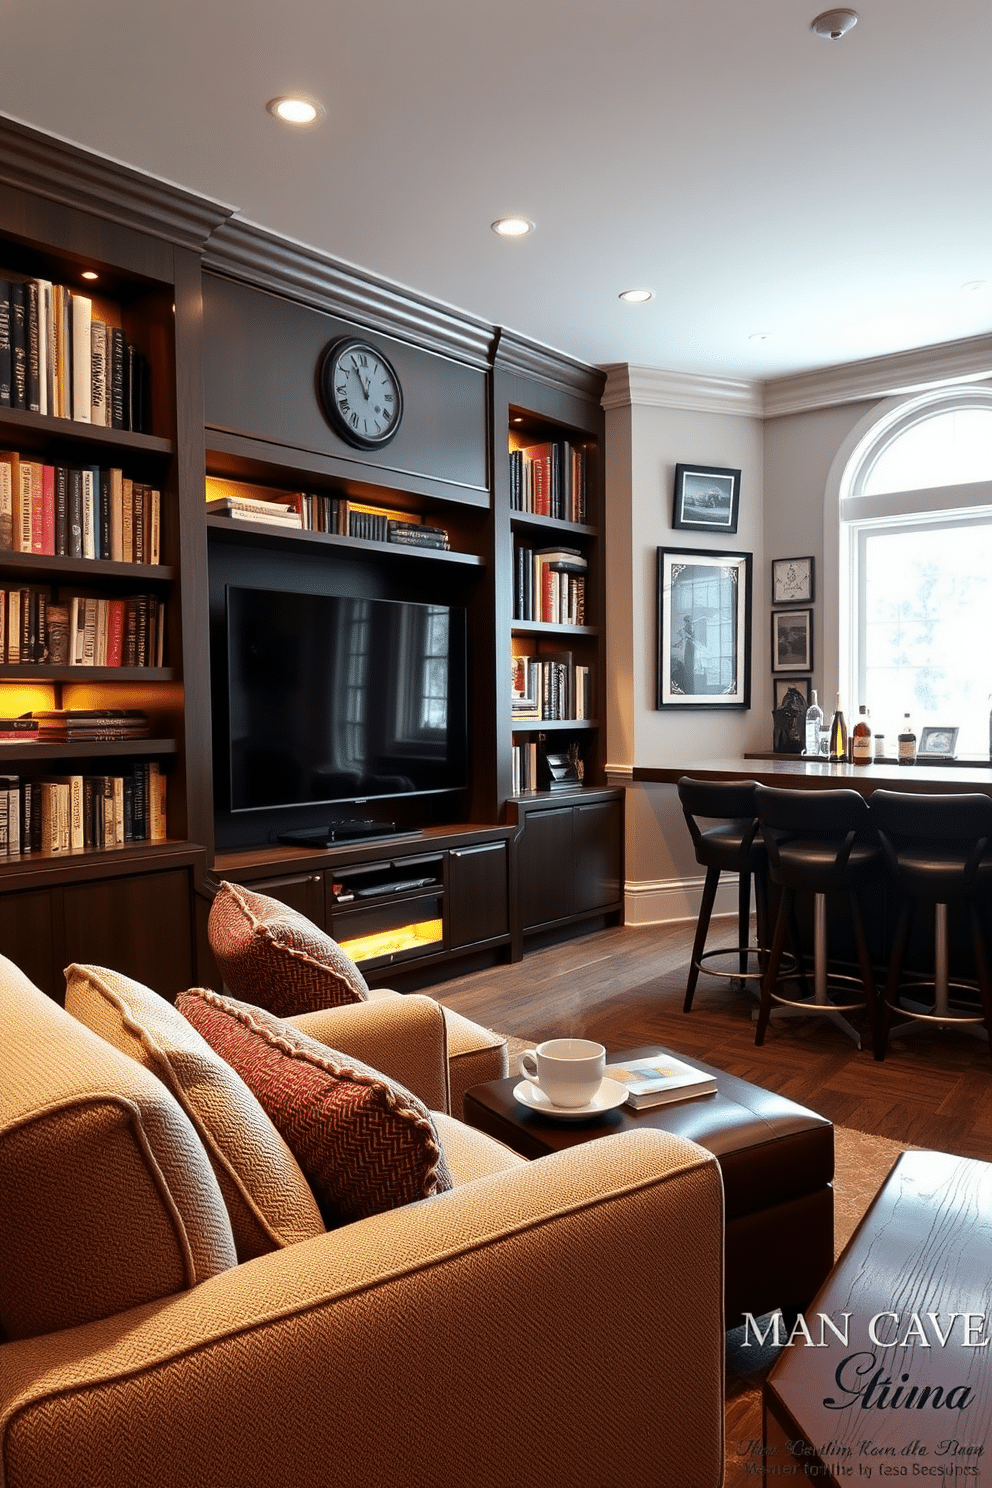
(106, 1196)
(365, 1142)
(268, 1199)
(274, 957)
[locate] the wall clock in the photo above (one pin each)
(360, 393)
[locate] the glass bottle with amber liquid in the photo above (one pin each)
(838, 735)
(907, 742)
(861, 739)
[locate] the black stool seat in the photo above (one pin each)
(818, 842)
(938, 849)
(723, 826)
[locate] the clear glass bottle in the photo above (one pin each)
(861, 739)
(879, 746)
(814, 725)
(838, 734)
(907, 742)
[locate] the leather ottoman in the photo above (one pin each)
(777, 1161)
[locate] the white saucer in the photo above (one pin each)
(609, 1095)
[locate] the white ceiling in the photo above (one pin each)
(759, 179)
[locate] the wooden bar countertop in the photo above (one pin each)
(795, 772)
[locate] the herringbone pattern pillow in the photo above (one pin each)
(274, 957)
(364, 1142)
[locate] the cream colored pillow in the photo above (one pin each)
(269, 1200)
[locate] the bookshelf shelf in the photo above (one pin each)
(34, 672)
(36, 430)
(237, 530)
(524, 521)
(552, 725)
(11, 750)
(53, 566)
(543, 628)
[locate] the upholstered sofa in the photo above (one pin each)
(553, 1322)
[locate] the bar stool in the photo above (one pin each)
(938, 849)
(731, 843)
(820, 842)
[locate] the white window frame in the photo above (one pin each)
(849, 516)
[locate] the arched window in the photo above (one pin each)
(916, 529)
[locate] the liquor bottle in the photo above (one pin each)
(907, 742)
(838, 734)
(861, 739)
(814, 726)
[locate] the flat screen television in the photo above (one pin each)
(335, 700)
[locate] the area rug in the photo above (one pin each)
(862, 1162)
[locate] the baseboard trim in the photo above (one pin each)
(666, 900)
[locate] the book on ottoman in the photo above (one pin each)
(655, 1082)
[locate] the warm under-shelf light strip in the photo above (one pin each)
(390, 942)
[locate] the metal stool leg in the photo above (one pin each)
(939, 1013)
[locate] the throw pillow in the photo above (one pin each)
(268, 1199)
(364, 1142)
(274, 957)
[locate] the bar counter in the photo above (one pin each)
(794, 772)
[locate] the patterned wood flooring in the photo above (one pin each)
(624, 986)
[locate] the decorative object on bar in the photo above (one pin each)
(814, 726)
(792, 580)
(879, 746)
(704, 628)
(707, 498)
(907, 742)
(861, 739)
(792, 640)
(938, 743)
(789, 719)
(838, 735)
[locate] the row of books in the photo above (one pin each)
(549, 480)
(59, 358)
(80, 630)
(550, 687)
(535, 767)
(319, 513)
(77, 512)
(76, 813)
(75, 725)
(549, 585)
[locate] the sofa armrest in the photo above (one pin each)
(557, 1323)
(403, 1037)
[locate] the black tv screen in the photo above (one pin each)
(333, 699)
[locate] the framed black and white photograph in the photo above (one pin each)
(792, 580)
(792, 640)
(937, 743)
(706, 498)
(704, 629)
(785, 685)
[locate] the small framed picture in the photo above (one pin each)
(792, 640)
(937, 743)
(706, 498)
(792, 580)
(785, 685)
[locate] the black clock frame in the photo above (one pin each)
(326, 392)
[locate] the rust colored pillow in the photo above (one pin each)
(365, 1143)
(275, 958)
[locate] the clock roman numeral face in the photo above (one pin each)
(365, 394)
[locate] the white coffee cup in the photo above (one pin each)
(568, 1070)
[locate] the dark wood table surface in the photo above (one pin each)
(924, 1253)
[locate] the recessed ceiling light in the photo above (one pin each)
(295, 110)
(833, 24)
(512, 227)
(636, 296)
(759, 336)
(89, 274)
(975, 286)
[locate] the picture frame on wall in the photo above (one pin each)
(792, 580)
(707, 498)
(792, 640)
(704, 629)
(784, 685)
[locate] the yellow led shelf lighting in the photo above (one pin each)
(390, 942)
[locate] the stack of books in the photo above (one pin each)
(659, 1080)
(70, 511)
(549, 480)
(549, 585)
(248, 509)
(58, 357)
(72, 725)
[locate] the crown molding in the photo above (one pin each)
(651, 387)
(243, 250)
(517, 354)
(880, 377)
(49, 166)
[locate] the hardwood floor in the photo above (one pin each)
(624, 986)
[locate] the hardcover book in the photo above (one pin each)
(659, 1080)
